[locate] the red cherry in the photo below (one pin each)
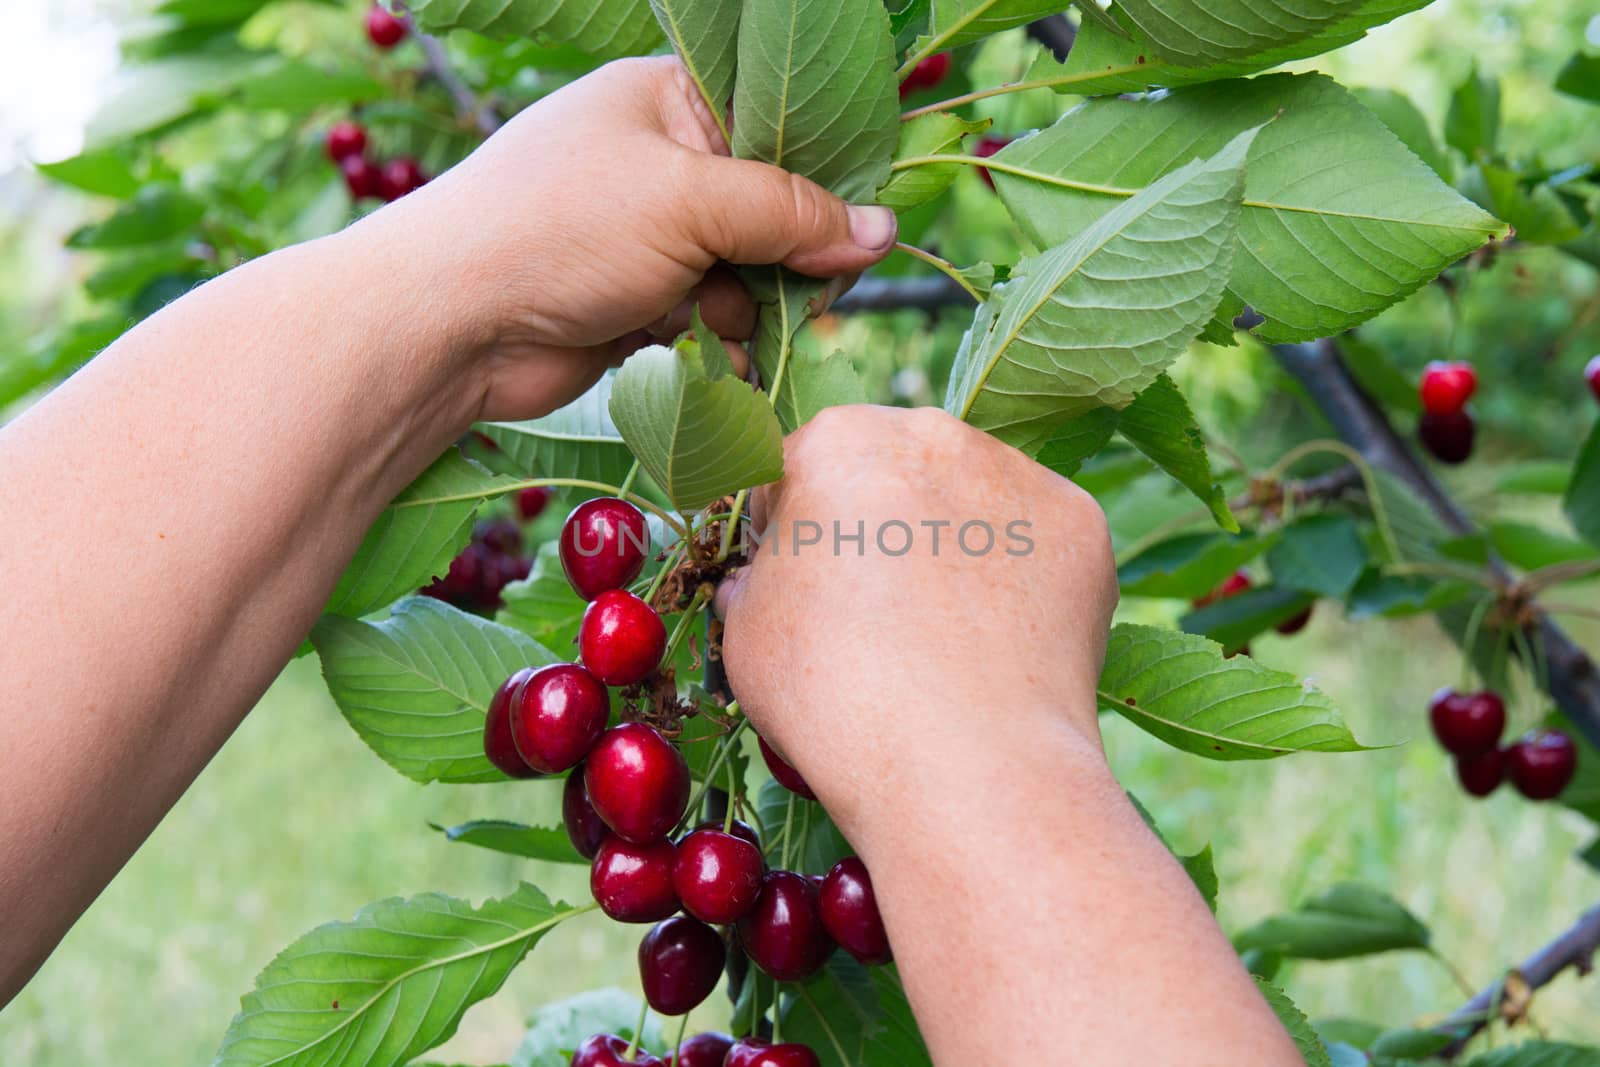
(621, 638)
(497, 741)
(1446, 387)
(986, 147)
(784, 935)
(584, 826)
(637, 782)
(603, 545)
(1467, 724)
(498, 535)
(608, 1050)
(680, 962)
(702, 1050)
(1232, 585)
(1482, 774)
(400, 176)
(753, 1052)
(360, 177)
(717, 876)
(557, 716)
(1290, 627)
(786, 775)
(738, 828)
(345, 139)
(532, 502)
(1542, 763)
(850, 912)
(385, 30)
(633, 883)
(1591, 374)
(1448, 437)
(926, 74)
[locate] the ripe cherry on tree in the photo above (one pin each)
(1542, 764)
(786, 775)
(1467, 724)
(1481, 774)
(753, 1052)
(399, 176)
(638, 782)
(603, 545)
(1446, 387)
(738, 828)
(557, 715)
(360, 176)
(709, 1049)
(985, 148)
(1232, 585)
(1294, 624)
(498, 743)
(680, 963)
(608, 1050)
(784, 935)
(384, 28)
(1591, 374)
(584, 826)
(926, 74)
(849, 911)
(345, 139)
(1448, 437)
(621, 638)
(633, 883)
(717, 876)
(532, 501)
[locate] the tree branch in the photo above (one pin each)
(468, 106)
(898, 294)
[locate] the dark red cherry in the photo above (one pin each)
(1290, 627)
(784, 935)
(360, 176)
(385, 30)
(1446, 387)
(786, 775)
(1482, 774)
(584, 825)
(637, 781)
(986, 147)
(1591, 374)
(498, 535)
(400, 176)
(558, 715)
(603, 545)
(1542, 764)
(717, 876)
(532, 502)
(345, 139)
(702, 1050)
(1467, 724)
(738, 828)
(926, 74)
(608, 1050)
(498, 744)
(850, 912)
(1448, 437)
(680, 963)
(621, 638)
(633, 883)
(1232, 585)
(753, 1052)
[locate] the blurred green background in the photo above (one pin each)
(296, 823)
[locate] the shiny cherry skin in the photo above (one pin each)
(717, 876)
(1591, 374)
(621, 638)
(680, 963)
(633, 883)
(1291, 626)
(400, 176)
(608, 1050)
(709, 1049)
(850, 912)
(786, 775)
(557, 716)
(1449, 438)
(637, 781)
(498, 744)
(1482, 774)
(1467, 724)
(532, 502)
(784, 935)
(738, 828)
(360, 177)
(753, 1052)
(584, 826)
(927, 74)
(384, 29)
(603, 545)
(1446, 387)
(1542, 764)
(345, 139)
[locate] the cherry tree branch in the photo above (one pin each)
(468, 106)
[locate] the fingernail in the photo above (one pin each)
(873, 228)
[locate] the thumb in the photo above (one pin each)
(749, 212)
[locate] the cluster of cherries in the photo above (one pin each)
(1469, 726)
(490, 562)
(346, 142)
(628, 789)
(1447, 428)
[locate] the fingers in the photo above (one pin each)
(748, 212)
(724, 305)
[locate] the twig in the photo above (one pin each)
(468, 106)
(897, 294)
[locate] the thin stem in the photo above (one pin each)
(731, 529)
(788, 821)
(690, 614)
(944, 266)
(1460, 979)
(990, 164)
(1380, 511)
(538, 483)
(822, 1020)
(638, 1031)
(677, 1047)
(1557, 573)
(786, 342)
(666, 568)
(733, 793)
(723, 751)
(777, 1013)
(627, 483)
(1470, 642)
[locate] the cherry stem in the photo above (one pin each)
(730, 531)
(788, 821)
(627, 483)
(638, 1032)
(1470, 641)
(1454, 972)
(677, 1048)
(690, 614)
(733, 792)
(661, 575)
(1380, 511)
(943, 266)
(723, 752)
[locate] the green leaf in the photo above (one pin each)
(155, 213)
(606, 29)
(1544, 476)
(785, 299)
(1094, 321)
(106, 173)
(1582, 502)
(416, 537)
(1407, 123)
(1160, 424)
(1539, 1054)
(1410, 1044)
(1400, 596)
(145, 96)
(417, 686)
(1195, 33)
(579, 441)
(1472, 126)
(1078, 439)
(1234, 620)
(297, 86)
(388, 985)
(1348, 920)
(1535, 210)
(935, 134)
(812, 383)
(1322, 554)
(705, 34)
(543, 605)
(1294, 1021)
(557, 1029)
(533, 842)
(1339, 220)
(1184, 692)
(816, 93)
(862, 1011)
(1532, 547)
(698, 439)
(1190, 565)
(1580, 77)
(953, 23)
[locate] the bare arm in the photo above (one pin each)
(238, 444)
(942, 706)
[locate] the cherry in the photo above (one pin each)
(1482, 774)
(753, 1052)
(986, 147)
(557, 716)
(385, 30)
(637, 782)
(498, 744)
(1448, 437)
(400, 176)
(1467, 724)
(621, 638)
(926, 74)
(850, 912)
(786, 775)
(1542, 763)
(1232, 585)
(532, 502)
(680, 962)
(702, 1050)
(345, 139)
(784, 935)
(1446, 387)
(499, 535)
(603, 545)
(633, 883)
(1291, 626)
(738, 828)
(584, 825)
(717, 876)
(1591, 374)
(360, 176)
(608, 1050)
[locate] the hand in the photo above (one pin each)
(593, 222)
(837, 656)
